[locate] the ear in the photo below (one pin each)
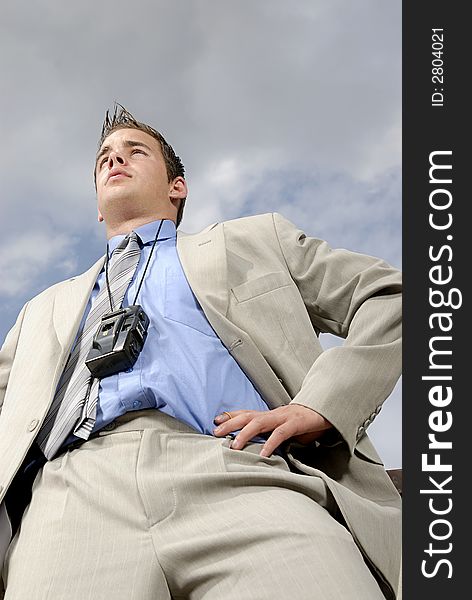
(178, 190)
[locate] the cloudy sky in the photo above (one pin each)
(272, 105)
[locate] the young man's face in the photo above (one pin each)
(132, 179)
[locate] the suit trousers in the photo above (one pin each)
(151, 509)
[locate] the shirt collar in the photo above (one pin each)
(147, 233)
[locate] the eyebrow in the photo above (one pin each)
(127, 143)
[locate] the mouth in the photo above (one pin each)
(116, 174)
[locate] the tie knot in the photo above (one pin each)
(129, 240)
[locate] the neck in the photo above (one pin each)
(126, 227)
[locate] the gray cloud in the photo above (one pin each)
(272, 105)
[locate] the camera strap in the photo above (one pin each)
(144, 272)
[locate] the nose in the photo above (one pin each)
(115, 158)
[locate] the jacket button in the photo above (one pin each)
(32, 426)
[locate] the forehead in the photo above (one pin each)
(119, 137)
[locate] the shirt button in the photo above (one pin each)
(110, 427)
(137, 404)
(130, 370)
(32, 426)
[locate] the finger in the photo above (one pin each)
(277, 437)
(222, 418)
(236, 422)
(226, 415)
(257, 425)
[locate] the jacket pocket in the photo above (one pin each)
(261, 285)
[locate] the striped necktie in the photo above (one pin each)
(74, 406)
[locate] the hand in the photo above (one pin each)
(292, 421)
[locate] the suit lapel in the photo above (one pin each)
(70, 302)
(203, 258)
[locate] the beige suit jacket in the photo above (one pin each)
(267, 290)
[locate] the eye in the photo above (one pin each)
(102, 161)
(138, 151)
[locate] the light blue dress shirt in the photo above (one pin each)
(184, 369)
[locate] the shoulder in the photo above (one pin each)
(255, 235)
(264, 222)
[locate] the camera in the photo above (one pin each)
(118, 341)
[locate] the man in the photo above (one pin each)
(229, 459)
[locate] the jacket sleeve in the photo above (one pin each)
(356, 297)
(7, 354)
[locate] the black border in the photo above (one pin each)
(428, 128)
